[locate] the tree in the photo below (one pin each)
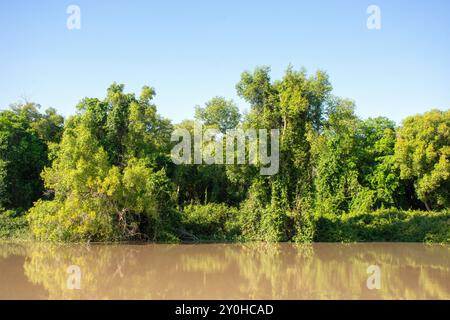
(422, 151)
(106, 179)
(377, 168)
(47, 126)
(355, 167)
(219, 112)
(295, 104)
(25, 134)
(336, 161)
(201, 183)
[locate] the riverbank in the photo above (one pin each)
(385, 226)
(14, 227)
(205, 226)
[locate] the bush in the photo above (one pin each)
(210, 222)
(385, 225)
(272, 224)
(13, 226)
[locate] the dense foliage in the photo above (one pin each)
(107, 174)
(385, 225)
(25, 135)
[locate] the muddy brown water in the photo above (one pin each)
(224, 271)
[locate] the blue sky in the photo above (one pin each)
(190, 51)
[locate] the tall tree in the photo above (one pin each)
(106, 181)
(219, 112)
(25, 134)
(295, 105)
(423, 154)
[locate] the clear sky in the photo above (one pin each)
(190, 51)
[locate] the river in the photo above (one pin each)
(224, 271)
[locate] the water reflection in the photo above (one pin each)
(225, 271)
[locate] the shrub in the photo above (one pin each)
(12, 226)
(385, 225)
(210, 222)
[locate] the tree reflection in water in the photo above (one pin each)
(226, 271)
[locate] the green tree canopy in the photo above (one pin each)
(106, 178)
(219, 112)
(423, 154)
(24, 137)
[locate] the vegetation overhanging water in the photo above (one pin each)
(105, 174)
